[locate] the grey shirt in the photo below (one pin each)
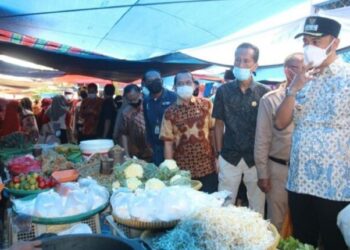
(238, 111)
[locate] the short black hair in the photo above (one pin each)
(250, 46)
(131, 87)
(144, 77)
(183, 72)
(26, 103)
(109, 90)
(92, 86)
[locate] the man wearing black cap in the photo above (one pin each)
(318, 101)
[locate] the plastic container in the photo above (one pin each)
(107, 166)
(90, 147)
(65, 175)
(90, 242)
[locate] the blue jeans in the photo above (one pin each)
(158, 154)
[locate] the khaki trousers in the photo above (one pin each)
(230, 177)
(277, 197)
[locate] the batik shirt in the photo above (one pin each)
(188, 125)
(320, 155)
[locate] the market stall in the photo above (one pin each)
(63, 189)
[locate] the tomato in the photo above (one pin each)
(16, 179)
(42, 184)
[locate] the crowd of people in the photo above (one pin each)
(290, 145)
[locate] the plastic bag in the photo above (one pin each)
(78, 202)
(80, 228)
(65, 188)
(343, 222)
(99, 195)
(49, 205)
(120, 201)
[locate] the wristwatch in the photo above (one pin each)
(290, 92)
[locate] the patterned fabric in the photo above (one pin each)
(133, 126)
(239, 112)
(90, 112)
(320, 156)
(188, 126)
(12, 37)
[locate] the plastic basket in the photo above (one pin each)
(67, 219)
(38, 229)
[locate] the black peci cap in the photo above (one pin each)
(320, 26)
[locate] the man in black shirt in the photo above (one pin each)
(108, 113)
(235, 109)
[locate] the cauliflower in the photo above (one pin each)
(132, 183)
(167, 169)
(115, 185)
(154, 184)
(170, 164)
(133, 170)
(180, 180)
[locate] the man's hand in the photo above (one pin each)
(308, 73)
(217, 166)
(264, 185)
(26, 245)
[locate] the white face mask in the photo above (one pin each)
(68, 97)
(314, 55)
(184, 92)
(92, 96)
(241, 74)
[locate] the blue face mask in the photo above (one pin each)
(241, 74)
(145, 91)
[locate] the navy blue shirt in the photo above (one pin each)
(153, 112)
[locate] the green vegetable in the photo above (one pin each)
(293, 244)
(150, 171)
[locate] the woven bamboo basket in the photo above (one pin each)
(145, 225)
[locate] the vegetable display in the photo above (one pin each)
(293, 244)
(218, 228)
(135, 174)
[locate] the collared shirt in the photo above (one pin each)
(270, 141)
(90, 112)
(153, 111)
(188, 126)
(238, 111)
(133, 126)
(320, 155)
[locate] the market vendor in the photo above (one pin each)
(187, 131)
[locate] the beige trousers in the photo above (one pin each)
(230, 177)
(277, 197)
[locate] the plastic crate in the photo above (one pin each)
(122, 230)
(38, 229)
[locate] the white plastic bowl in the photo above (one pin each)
(90, 147)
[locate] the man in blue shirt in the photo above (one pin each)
(155, 103)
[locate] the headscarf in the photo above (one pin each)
(58, 108)
(11, 121)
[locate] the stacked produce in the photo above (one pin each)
(218, 228)
(32, 181)
(293, 244)
(52, 161)
(23, 164)
(133, 175)
(70, 151)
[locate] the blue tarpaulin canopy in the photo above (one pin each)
(160, 31)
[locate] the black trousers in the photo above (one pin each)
(210, 183)
(314, 218)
